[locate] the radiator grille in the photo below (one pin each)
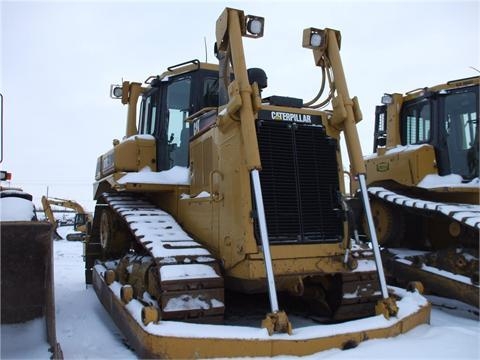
(300, 184)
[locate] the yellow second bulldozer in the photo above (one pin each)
(217, 197)
(423, 181)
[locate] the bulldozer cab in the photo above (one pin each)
(446, 118)
(169, 102)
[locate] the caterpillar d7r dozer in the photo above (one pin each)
(424, 187)
(220, 197)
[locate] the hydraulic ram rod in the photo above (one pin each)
(373, 234)
(257, 189)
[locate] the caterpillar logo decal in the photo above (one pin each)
(290, 117)
(383, 166)
(284, 116)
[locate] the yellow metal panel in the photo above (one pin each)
(407, 167)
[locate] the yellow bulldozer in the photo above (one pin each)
(81, 222)
(423, 181)
(219, 204)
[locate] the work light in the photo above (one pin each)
(254, 25)
(116, 91)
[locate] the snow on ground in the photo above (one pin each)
(24, 340)
(85, 330)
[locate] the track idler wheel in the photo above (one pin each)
(389, 223)
(387, 307)
(114, 236)
(277, 322)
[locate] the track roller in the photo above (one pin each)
(126, 293)
(149, 315)
(109, 277)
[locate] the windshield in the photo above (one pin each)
(461, 129)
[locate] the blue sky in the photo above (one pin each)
(58, 60)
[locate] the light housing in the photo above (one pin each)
(5, 175)
(387, 99)
(314, 39)
(254, 26)
(116, 91)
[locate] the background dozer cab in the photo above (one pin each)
(216, 197)
(424, 186)
(81, 221)
(27, 286)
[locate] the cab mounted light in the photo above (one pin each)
(387, 99)
(116, 91)
(254, 26)
(5, 176)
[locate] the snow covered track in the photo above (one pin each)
(180, 274)
(466, 214)
(435, 280)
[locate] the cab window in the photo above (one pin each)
(416, 123)
(178, 109)
(149, 113)
(210, 92)
(461, 119)
(461, 133)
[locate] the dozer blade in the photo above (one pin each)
(27, 276)
(172, 339)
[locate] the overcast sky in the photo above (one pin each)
(58, 60)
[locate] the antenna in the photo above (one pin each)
(205, 45)
(471, 67)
